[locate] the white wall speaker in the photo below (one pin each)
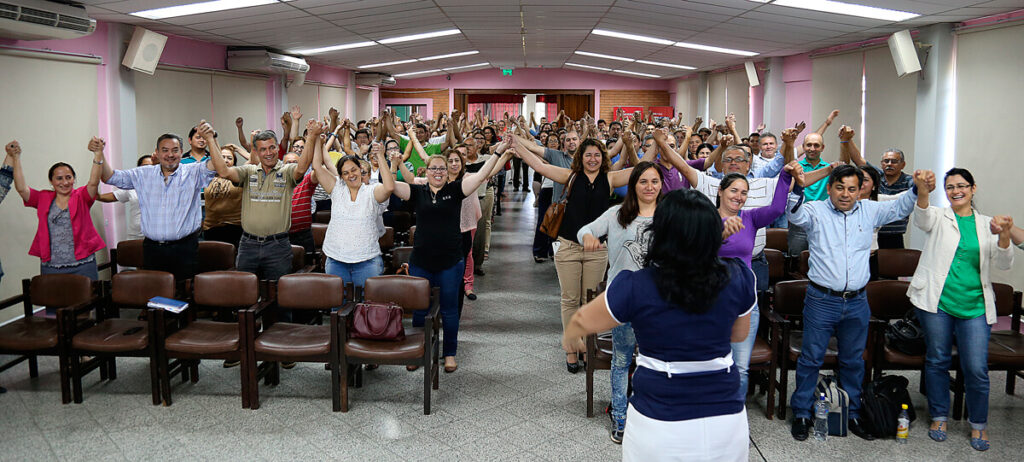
(904, 53)
(751, 73)
(144, 50)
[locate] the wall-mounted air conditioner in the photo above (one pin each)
(43, 20)
(374, 79)
(265, 62)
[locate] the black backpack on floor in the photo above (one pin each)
(881, 403)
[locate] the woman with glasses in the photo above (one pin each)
(65, 239)
(437, 251)
(952, 290)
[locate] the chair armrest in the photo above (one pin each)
(431, 318)
(774, 317)
(11, 301)
(339, 321)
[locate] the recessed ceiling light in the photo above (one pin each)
(451, 55)
(636, 73)
(425, 35)
(730, 51)
(848, 9)
(588, 67)
(639, 38)
(346, 46)
(417, 73)
(599, 55)
(198, 8)
(656, 63)
(392, 63)
(466, 67)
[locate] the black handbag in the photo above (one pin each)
(906, 335)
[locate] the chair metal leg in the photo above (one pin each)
(112, 368)
(33, 366)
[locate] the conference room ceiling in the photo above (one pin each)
(539, 33)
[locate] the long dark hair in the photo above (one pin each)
(631, 205)
(685, 237)
(875, 178)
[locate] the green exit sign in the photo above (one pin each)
(506, 72)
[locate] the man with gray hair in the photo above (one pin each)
(894, 181)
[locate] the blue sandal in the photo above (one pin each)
(938, 434)
(979, 444)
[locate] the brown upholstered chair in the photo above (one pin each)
(299, 260)
(897, 263)
(387, 243)
(289, 342)
(322, 216)
(412, 235)
(216, 256)
(34, 335)
(805, 264)
(778, 239)
(113, 336)
(599, 354)
(187, 340)
(319, 234)
(785, 318)
(128, 254)
(420, 347)
(763, 359)
(1006, 347)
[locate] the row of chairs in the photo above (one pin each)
(90, 323)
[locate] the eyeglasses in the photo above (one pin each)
(954, 187)
(436, 169)
(731, 160)
(890, 161)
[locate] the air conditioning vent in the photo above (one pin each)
(261, 61)
(43, 20)
(374, 79)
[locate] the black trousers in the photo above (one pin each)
(890, 241)
(224, 233)
(518, 166)
(180, 257)
(541, 241)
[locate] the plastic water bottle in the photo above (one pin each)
(903, 426)
(821, 418)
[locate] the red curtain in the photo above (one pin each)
(483, 98)
(551, 109)
(496, 111)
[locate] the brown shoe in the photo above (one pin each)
(411, 368)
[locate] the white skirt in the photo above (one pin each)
(718, 438)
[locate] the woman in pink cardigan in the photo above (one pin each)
(66, 239)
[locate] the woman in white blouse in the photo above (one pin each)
(350, 244)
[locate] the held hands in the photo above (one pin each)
(206, 131)
(591, 243)
(789, 135)
(730, 120)
(333, 113)
(845, 133)
(731, 226)
(727, 140)
(796, 171)
(96, 145)
(1001, 225)
(925, 180)
(659, 136)
(13, 148)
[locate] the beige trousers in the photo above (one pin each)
(483, 228)
(577, 271)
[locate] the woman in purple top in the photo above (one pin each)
(740, 228)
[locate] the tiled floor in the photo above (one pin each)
(511, 399)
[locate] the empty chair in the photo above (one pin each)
(216, 256)
(288, 342)
(33, 335)
(778, 239)
(186, 340)
(129, 254)
(1006, 347)
(421, 344)
(113, 336)
(897, 263)
(322, 216)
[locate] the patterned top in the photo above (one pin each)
(302, 205)
(6, 177)
(170, 208)
(62, 239)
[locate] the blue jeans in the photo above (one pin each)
(759, 265)
(780, 222)
(741, 351)
(972, 344)
(356, 273)
(450, 281)
(623, 345)
(824, 316)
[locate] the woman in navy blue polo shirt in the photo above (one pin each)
(686, 305)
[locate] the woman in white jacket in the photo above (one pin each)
(952, 289)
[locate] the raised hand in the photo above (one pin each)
(238, 122)
(800, 126)
(921, 180)
(727, 140)
(659, 136)
(205, 130)
(286, 120)
(832, 116)
(1001, 224)
(796, 171)
(730, 120)
(761, 127)
(96, 145)
(313, 127)
(13, 148)
(697, 122)
(845, 133)
(732, 225)
(296, 113)
(929, 179)
(789, 135)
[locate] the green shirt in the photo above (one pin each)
(962, 295)
(817, 191)
(266, 198)
(414, 157)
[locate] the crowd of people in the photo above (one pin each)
(670, 216)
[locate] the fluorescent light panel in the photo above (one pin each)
(198, 8)
(636, 73)
(346, 46)
(588, 67)
(450, 55)
(639, 38)
(656, 63)
(441, 70)
(426, 35)
(631, 60)
(848, 9)
(392, 63)
(599, 55)
(466, 67)
(730, 51)
(417, 73)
